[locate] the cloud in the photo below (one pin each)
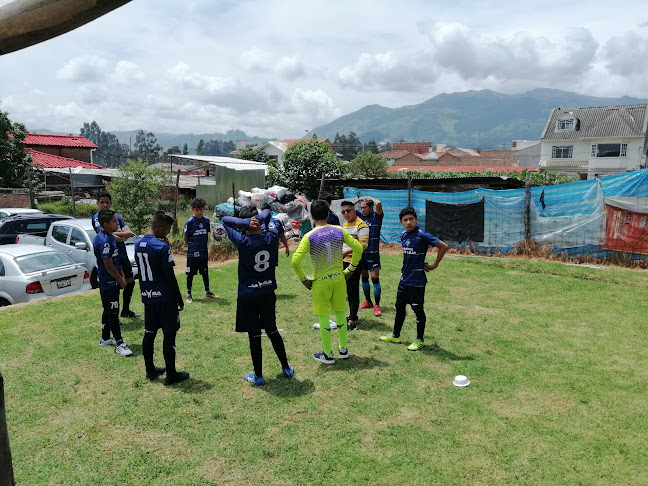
(83, 69)
(127, 72)
(291, 68)
(316, 105)
(258, 60)
(255, 59)
(388, 70)
(475, 56)
(626, 54)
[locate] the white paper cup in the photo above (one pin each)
(461, 380)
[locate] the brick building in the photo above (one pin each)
(67, 146)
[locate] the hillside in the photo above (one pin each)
(481, 119)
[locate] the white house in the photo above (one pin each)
(277, 148)
(593, 142)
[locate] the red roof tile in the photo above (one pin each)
(457, 168)
(57, 140)
(54, 161)
(414, 147)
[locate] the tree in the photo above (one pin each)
(372, 147)
(368, 164)
(303, 165)
(251, 154)
(200, 148)
(137, 192)
(110, 152)
(173, 150)
(185, 149)
(15, 161)
(347, 145)
(146, 146)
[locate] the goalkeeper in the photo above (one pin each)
(324, 244)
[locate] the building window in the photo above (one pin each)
(562, 151)
(610, 150)
(566, 124)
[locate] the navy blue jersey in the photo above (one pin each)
(332, 219)
(415, 245)
(258, 257)
(153, 258)
(198, 232)
(375, 224)
(121, 246)
(105, 247)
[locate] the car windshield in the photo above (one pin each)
(37, 262)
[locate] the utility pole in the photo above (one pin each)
(72, 190)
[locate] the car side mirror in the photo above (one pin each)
(80, 245)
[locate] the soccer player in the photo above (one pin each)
(111, 279)
(196, 235)
(123, 232)
(332, 217)
(256, 302)
(324, 244)
(359, 230)
(161, 297)
(411, 288)
(370, 263)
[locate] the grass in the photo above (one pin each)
(556, 355)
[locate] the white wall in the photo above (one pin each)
(274, 151)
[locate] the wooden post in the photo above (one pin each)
(321, 191)
(72, 191)
(175, 204)
(6, 468)
(409, 189)
(527, 207)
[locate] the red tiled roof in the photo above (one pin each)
(414, 147)
(395, 154)
(57, 140)
(457, 168)
(54, 161)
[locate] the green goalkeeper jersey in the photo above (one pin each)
(324, 243)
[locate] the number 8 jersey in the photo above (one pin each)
(257, 259)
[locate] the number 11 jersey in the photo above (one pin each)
(153, 257)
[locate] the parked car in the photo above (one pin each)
(31, 224)
(29, 272)
(4, 212)
(74, 237)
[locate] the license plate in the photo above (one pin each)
(64, 282)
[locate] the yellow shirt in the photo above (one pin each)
(359, 230)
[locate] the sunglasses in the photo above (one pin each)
(346, 211)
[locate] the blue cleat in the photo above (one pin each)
(254, 379)
(288, 372)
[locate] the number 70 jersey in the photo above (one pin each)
(257, 261)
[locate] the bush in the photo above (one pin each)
(64, 206)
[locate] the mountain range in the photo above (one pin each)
(472, 119)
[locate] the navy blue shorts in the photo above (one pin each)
(254, 313)
(370, 261)
(163, 315)
(409, 295)
(126, 267)
(197, 266)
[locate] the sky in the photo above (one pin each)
(280, 68)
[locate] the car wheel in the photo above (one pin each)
(94, 282)
(4, 302)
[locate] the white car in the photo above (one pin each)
(29, 272)
(74, 238)
(4, 212)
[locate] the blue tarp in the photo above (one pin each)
(568, 217)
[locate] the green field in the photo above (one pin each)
(556, 355)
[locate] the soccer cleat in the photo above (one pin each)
(176, 377)
(254, 379)
(416, 345)
(352, 326)
(344, 353)
(189, 299)
(377, 311)
(108, 342)
(288, 372)
(159, 370)
(211, 295)
(324, 358)
(390, 339)
(366, 305)
(123, 350)
(129, 314)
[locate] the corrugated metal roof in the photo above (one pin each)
(599, 122)
(57, 140)
(54, 161)
(228, 162)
